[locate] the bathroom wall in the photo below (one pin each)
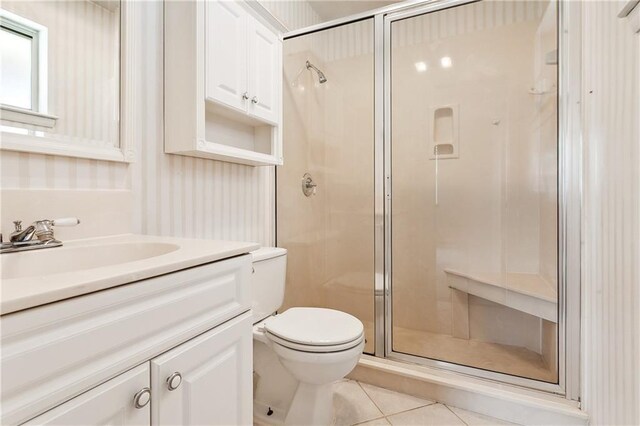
(301, 220)
(492, 210)
(294, 14)
(611, 216)
(329, 133)
(545, 131)
(164, 194)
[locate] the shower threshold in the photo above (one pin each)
(507, 359)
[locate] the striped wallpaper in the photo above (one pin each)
(470, 18)
(349, 41)
(611, 223)
(173, 195)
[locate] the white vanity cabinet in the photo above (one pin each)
(223, 81)
(84, 359)
(207, 380)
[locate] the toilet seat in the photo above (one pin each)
(315, 348)
(315, 330)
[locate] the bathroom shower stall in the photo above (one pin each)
(424, 188)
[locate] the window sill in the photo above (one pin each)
(60, 146)
(25, 116)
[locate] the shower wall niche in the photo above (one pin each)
(442, 132)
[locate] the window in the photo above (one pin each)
(19, 69)
(23, 71)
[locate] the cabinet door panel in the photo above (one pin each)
(265, 72)
(110, 403)
(226, 53)
(216, 370)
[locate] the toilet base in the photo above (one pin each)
(311, 405)
(280, 399)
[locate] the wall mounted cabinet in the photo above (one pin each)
(223, 82)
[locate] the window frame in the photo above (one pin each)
(133, 49)
(37, 115)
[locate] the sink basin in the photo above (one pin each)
(46, 262)
(34, 278)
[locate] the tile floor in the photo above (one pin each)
(358, 403)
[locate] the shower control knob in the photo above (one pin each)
(254, 100)
(245, 96)
(174, 381)
(308, 185)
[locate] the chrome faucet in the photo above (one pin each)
(19, 235)
(36, 236)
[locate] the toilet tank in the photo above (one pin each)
(267, 281)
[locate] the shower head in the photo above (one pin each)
(321, 76)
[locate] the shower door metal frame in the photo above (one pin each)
(569, 190)
(569, 202)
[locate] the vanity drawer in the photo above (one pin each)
(54, 352)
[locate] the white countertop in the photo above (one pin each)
(101, 263)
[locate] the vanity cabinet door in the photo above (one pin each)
(207, 380)
(226, 54)
(112, 403)
(265, 72)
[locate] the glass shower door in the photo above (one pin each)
(325, 190)
(473, 144)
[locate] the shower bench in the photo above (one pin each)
(529, 293)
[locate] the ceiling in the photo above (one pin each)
(334, 9)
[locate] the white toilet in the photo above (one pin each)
(299, 353)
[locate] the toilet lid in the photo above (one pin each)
(315, 326)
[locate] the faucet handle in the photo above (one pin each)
(66, 221)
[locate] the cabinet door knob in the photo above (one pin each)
(142, 398)
(245, 96)
(174, 380)
(254, 100)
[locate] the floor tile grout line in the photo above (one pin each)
(414, 409)
(401, 393)
(370, 420)
(371, 399)
(454, 413)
